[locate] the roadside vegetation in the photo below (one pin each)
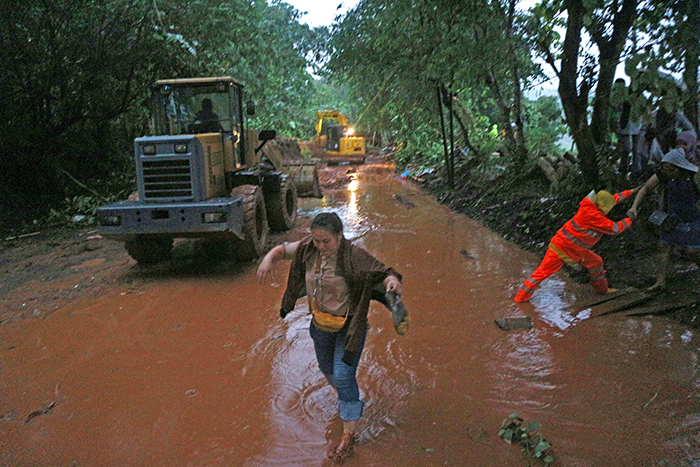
(450, 86)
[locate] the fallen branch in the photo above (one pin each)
(650, 400)
(659, 309)
(44, 411)
(605, 298)
(21, 236)
(82, 185)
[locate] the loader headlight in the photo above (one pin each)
(180, 148)
(111, 221)
(214, 217)
(350, 131)
(149, 150)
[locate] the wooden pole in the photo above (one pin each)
(444, 137)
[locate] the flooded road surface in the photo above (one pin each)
(200, 371)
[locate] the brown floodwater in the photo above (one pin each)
(198, 369)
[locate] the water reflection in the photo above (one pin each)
(301, 402)
(347, 205)
(352, 202)
(590, 382)
(553, 304)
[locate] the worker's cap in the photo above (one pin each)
(677, 157)
(603, 200)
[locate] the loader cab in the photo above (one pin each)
(200, 106)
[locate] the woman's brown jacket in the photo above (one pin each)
(364, 276)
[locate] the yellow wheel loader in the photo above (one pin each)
(338, 139)
(203, 174)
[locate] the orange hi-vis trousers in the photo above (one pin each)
(552, 263)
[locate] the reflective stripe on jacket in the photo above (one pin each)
(587, 227)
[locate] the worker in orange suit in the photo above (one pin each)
(573, 242)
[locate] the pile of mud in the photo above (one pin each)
(282, 148)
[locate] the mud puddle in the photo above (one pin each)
(200, 370)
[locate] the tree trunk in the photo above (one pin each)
(692, 62)
(609, 47)
(590, 138)
(520, 142)
(463, 127)
(573, 102)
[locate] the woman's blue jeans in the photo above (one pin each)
(330, 347)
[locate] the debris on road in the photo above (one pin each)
(512, 323)
(405, 202)
(466, 254)
(45, 411)
(623, 302)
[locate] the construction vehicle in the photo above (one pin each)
(203, 175)
(338, 139)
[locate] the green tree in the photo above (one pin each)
(582, 69)
(672, 42)
(544, 125)
(68, 68)
(262, 45)
(393, 54)
(77, 75)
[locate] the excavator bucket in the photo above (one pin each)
(305, 176)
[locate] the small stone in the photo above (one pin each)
(511, 323)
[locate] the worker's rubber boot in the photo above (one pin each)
(522, 296)
(600, 285)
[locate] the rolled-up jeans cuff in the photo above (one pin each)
(350, 411)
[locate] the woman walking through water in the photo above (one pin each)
(339, 279)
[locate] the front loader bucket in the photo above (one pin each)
(305, 178)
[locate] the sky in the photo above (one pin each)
(321, 12)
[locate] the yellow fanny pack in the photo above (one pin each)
(326, 321)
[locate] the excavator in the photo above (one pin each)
(338, 139)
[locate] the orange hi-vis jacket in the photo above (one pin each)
(573, 243)
(586, 228)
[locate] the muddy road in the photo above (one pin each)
(188, 364)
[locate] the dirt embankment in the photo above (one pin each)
(528, 218)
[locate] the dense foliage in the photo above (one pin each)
(428, 76)
(395, 53)
(77, 75)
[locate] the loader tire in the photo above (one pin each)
(149, 250)
(254, 223)
(282, 206)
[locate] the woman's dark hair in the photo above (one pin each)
(328, 221)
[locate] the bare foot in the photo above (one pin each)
(339, 452)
